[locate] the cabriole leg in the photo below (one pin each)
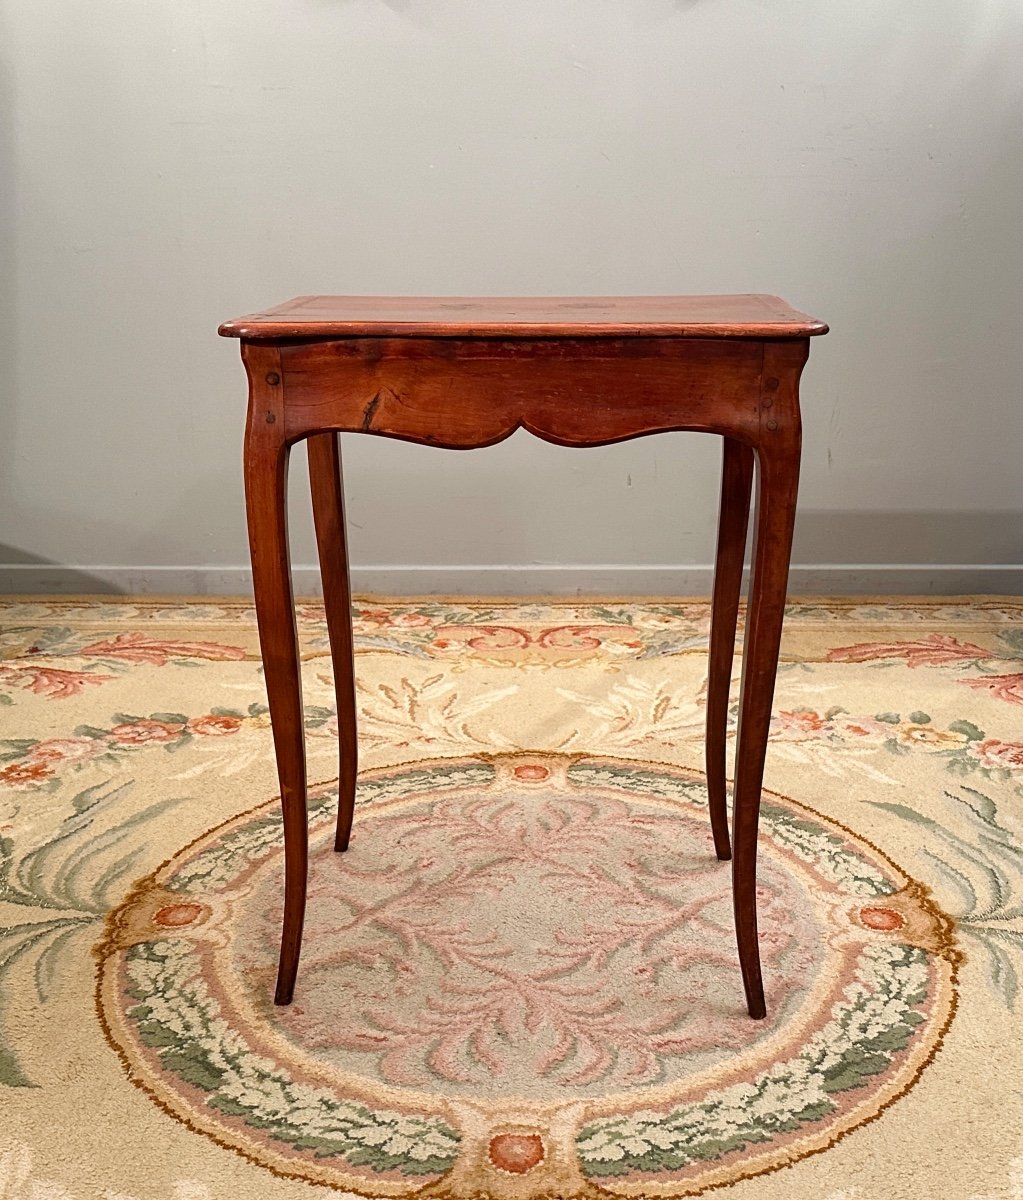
(266, 480)
(736, 486)
(331, 541)
(777, 481)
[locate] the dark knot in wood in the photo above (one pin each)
(367, 416)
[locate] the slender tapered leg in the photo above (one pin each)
(736, 485)
(266, 480)
(332, 544)
(777, 481)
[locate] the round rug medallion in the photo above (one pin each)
(521, 981)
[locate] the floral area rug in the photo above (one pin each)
(520, 981)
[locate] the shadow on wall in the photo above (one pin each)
(22, 573)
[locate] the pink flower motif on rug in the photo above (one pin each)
(138, 648)
(1002, 687)
(51, 682)
(934, 650)
(133, 733)
(998, 755)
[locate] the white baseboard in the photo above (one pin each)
(940, 579)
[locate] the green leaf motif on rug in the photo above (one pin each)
(892, 982)
(182, 1024)
(983, 871)
(54, 883)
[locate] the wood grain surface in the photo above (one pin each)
(750, 316)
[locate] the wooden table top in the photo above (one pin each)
(750, 316)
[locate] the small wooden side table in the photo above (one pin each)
(464, 373)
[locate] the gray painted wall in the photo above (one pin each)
(173, 163)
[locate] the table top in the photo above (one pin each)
(750, 316)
